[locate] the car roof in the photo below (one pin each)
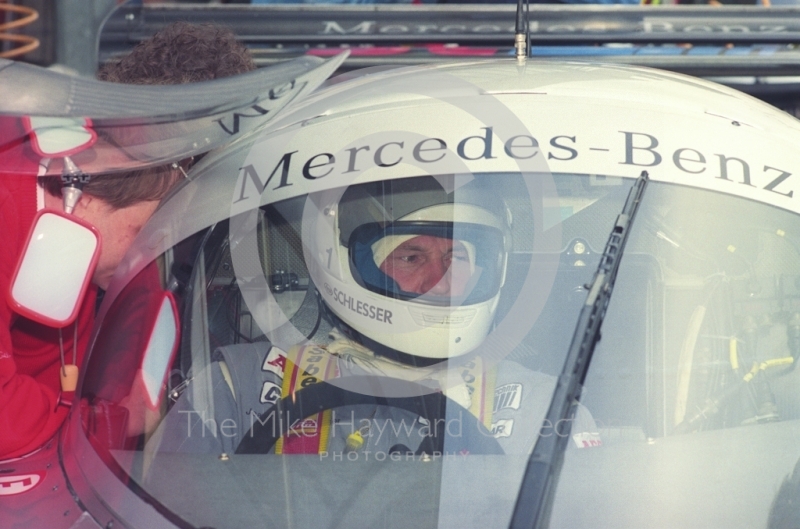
(585, 118)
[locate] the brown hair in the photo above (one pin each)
(179, 53)
(121, 190)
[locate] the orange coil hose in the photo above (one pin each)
(28, 43)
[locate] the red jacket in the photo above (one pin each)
(29, 352)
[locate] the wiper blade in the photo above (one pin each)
(541, 474)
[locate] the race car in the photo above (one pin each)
(383, 307)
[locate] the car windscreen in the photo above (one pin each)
(316, 380)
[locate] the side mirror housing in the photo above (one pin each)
(160, 351)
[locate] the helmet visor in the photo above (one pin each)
(432, 262)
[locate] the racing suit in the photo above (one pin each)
(29, 352)
(246, 381)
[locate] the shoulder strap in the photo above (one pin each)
(306, 365)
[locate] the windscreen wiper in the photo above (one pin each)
(541, 473)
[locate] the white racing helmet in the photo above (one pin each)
(414, 272)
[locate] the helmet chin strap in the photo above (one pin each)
(72, 182)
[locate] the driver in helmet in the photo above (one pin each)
(409, 287)
(426, 264)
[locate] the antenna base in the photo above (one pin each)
(521, 47)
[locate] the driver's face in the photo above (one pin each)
(429, 265)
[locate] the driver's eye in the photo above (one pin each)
(407, 258)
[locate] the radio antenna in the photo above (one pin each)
(521, 36)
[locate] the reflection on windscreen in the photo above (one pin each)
(403, 340)
(695, 374)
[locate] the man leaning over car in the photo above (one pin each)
(117, 205)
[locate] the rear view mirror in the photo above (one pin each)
(55, 268)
